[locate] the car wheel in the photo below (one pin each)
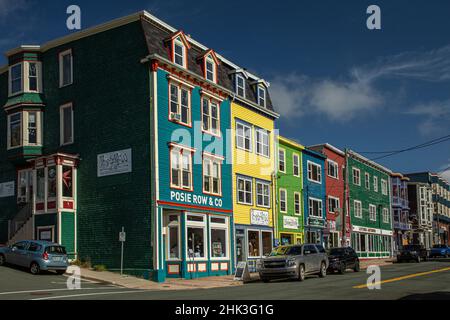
(342, 268)
(323, 270)
(2, 260)
(34, 268)
(356, 268)
(301, 273)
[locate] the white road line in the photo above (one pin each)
(91, 294)
(54, 290)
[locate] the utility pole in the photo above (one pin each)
(344, 209)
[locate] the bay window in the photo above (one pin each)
(51, 183)
(15, 130)
(180, 104)
(219, 237)
(263, 194)
(212, 175)
(210, 116)
(67, 182)
(25, 77)
(40, 185)
(32, 76)
(16, 79)
(24, 129)
(181, 168)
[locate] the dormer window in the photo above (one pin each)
(240, 86)
(210, 63)
(262, 96)
(210, 69)
(179, 52)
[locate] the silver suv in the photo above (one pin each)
(294, 261)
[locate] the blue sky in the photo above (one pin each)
(332, 79)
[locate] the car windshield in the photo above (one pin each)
(55, 250)
(285, 251)
(337, 251)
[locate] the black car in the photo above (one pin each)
(412, 252)
(342, 259)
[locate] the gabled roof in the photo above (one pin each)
(181, 35)
(291, 142)
(328, 146)
(363, 159)
(212, 53)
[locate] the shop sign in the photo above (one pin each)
(316, 222)
(290, 222)
(372, 230)
(7, 189)
(200, 200)
(112, 163)
(259, 217)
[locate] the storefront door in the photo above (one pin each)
(240, 245)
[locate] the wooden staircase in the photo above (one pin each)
(21, 226)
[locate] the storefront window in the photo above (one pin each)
(253, 243)
(196, 242)
(40, 188)
(173, 240)
(219, 237)
(267, 243)
(67, 182)
(51, 182)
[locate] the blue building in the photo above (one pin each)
(314, 195)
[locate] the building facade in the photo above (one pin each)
(289, 193)
(314, 195)
(420, 197)
(370, 207)
(400, 210)
(335, 181)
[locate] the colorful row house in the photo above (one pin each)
(400, 210)
(289, 224)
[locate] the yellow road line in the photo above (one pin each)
(401, 278)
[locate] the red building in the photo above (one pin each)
(334, 170)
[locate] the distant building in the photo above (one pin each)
(420, 199)
(400, 210)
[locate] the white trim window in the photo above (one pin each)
(333, 204)
(372, 212)
(173, 243)
(196, 237)
(210, 69)
(259, 243)
(357, 208)
(243, 136)
(314, 172)
(218, 235)
(296, 165)
(283, 200)
(367, 180)
(297, 204)
(14, 130)
(65, 68)
(24, 129)
(333, 169)
(282, 160)
(384, 187)
(356, 174)
(261, 96)
(244, 190)
(240, 85)
(263, 194)
(179, 52)
(66, 131)
(262, 142)
(212, 175)
(33, 76)
(181, 168)
(180, 104)
(16, 79)
(375, 183)
(210, 116)
(386, 215)
(315, 208)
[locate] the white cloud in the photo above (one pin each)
(436, 116)
(446, 173)
(357, 94)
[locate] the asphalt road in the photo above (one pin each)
(427, 280)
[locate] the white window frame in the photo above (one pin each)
(358, 183)
(209, 116)
(262, 96)
(310, 171)
(367, 180)
(245, 179)
(10, 79)
(237, 87)
(335, 165)
(213, 160)
(179, 42)
(180, 150)
(375, 183)
(219, 226)
(311, 207)
(24, 129)
(260, 132)
(61, 124)
(210, 60)
(372, 212)
(338, 201)
(176, 224)
(196, 224)
(260, 234)
(244, 127)
(357, 213)
(180, 87)
(283, 151)
(386, 218)
(10, 147)
(61, 68)
(282, 190)
(384, 187)
(264, 184)
(296, 164)
(297, 194)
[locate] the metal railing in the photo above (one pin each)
(15, 224)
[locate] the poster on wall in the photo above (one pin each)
(112, 163)
(7, 189)
(259, 217)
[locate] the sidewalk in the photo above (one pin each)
(132, 282)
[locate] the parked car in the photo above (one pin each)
(36, 256)
(412, 252)
(294, 261)
(342, 259)
(440, 250)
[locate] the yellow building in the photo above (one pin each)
(253, 148)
